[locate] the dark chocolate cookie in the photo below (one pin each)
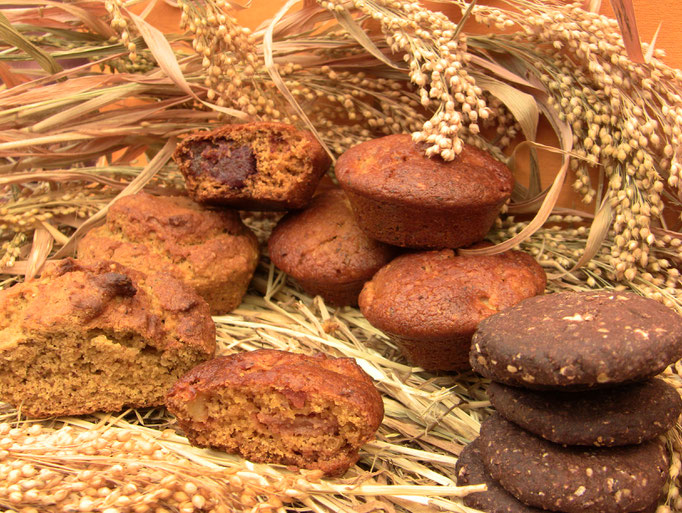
(572, 479)
(577, 340)
(495, 499)
(628, 414)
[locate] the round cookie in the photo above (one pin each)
(572, 479)
(577, 340)
(430, 302)
(470, 470)
(628, 414)
(324, 249)
(401, 197)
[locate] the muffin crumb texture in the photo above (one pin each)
(278, 407)
(98, 337)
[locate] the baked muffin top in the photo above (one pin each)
(203, 245)
(436, 294)
(324, 242)
(295, 375)
(73, 297)
(395, 167)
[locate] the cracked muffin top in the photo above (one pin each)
(210, 250)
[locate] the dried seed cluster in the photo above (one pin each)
(119, 470)
(437, 59)
(122, 26)
(625, 117)
(561, 243)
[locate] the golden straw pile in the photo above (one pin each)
(94, 99)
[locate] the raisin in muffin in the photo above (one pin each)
(98, 337)
(431, 302)
(325, 251)
(254, 166)
(401, 197)
(277, 407)
(210, 250)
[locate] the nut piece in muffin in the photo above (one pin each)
(254, 166)
(210, 250)
(323, 249)
(97, 336)
(401, 197)
(431, 302)
(272, 406)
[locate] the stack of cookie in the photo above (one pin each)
(578, 414)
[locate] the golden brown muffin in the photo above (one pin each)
(431, 302)
(98, 337)
(273, 406)
(254, 166)
(401, 197)
(211, 251)
(323, 249)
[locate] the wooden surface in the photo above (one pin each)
(650, 14)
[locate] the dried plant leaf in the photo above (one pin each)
(13, 37)
(599, 229)
(58, 236)
(502, 72)
(88, 17)
(625, 14)
(346, 21)
(9, 77)
(592, 5)
(522, 105)
(40, 249)
(294, 25)
(650, 51)
(465, 16)
(58, 176)
(277, 79)
(165, 56)
(80, 110)
(133, 187)
(564, 133)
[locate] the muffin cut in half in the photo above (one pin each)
(254, 166)
(98, 337)
(273, 406)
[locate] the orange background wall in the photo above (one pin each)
(649, 13)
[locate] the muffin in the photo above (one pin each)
(211, 251)
(403, 198)
(253, 166)
(325, 251)
(431, 302)
(89, 337)
(273, 406)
